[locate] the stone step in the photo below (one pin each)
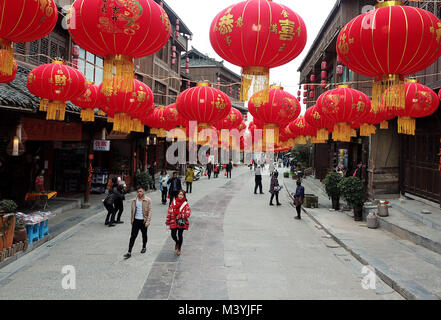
(413, 209)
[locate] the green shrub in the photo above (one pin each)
(331, 182)
(8, 206)
(144, 180)
(352, 190)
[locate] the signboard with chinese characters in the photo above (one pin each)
(101, 145)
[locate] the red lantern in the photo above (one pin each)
(305, 101)
(421, 101)
(231, 121)
(282, 109)
(305, 94)
(323, 84)
(4, 78)
(90, 100)
(324, 75)
(119, 31)
(324, 125)
(301, 130)
(127, 105)
(299, 93)
(312, 94)
(343, 106)
(339, 69)
(312, 78)
(312, 87)
(389, 43)
(23, 21)
(324, 65)
(203, 104)
(257, 35)
(55, 84)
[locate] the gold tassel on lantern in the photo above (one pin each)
(366, 130)
(256, 79)
(300, 140)
(316, 140)
(118, 74)
(56, 110)
(390, 92)
(268, 130)
(110, 120)
(43, 105)
(342, 132)
(353, 133)
(101, 113)
(6, 57)
(122, 123)
(384, 125)
(322, 134)
(87, 115)
(406, 125)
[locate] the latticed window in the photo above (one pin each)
(433, 7)
(91, 66)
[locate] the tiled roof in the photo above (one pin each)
(16, 94)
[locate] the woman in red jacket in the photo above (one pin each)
(177, 219)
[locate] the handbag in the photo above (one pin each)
(297, 201)
(181, 222)
(277, 188)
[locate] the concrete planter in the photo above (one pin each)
(311, 201)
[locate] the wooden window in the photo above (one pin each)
(91, 66)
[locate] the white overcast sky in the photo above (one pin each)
(198, 15)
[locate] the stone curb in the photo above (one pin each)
(415, 293)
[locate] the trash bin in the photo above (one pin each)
(383, 209)
(372, 220)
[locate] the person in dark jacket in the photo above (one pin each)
(109, 203)
(299, 197)
(209, 169)
(228, 169)
(152, 171)
(119, 206)
(358, 172)
(258, 181)
(174, 187)
(274, 188)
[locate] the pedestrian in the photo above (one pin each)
(258, 181)
(216, 170)
(119, 205)
(229, 168)
(174, 185)
(358, 171)
(189, 177)
(152, 171)
(163, 183)
(177, 219)
(274, 188)
(271, 168)
(299, 197)
(140, 219)
(209, 170)
(39, 181)
(114, 195)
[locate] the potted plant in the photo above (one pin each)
(331, 182)
(7, 206)
(20, 233)
(352, 190)
(7, 222)
(144, 180)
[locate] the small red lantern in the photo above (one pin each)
(312, 94)
(312, 78)
(305, 101)
(324, 75)
(339, 70)
(88, 101)
(324, 65)
(323, 84)
(305, 94)
(23, 21)
(55, 84)
(324, 125)
(231, 121)
(301, 130)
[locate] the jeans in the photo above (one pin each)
(136, 226)
(277, 197)
(299, 209)
(164, 195)
(179, 238)
(110, 212)
(173, 194)
(119, 207)
(258, 184)
(228, 174)
(189, 186)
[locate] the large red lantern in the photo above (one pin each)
(127, 106)
(302, 130)
(343, 106)
(257, 35)
(389, 43)
(231, 121)
(88, 101)
(323, 124)
(119, 31)
(421, 101)
(23, 21)
(5, 78)
(281, 109)
(56, 83)
(203, 104)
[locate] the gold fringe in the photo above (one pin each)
(267, 131)
(118, 74)
(122, 123)
(389, 92)
(56, 110)
(317, 140)
(300, 140)
(255, 79)
(384, 124)
(6, 57)
(101, 113)
(162, 133)
(87, 115)
(406, 125)
(342, 132)
(354, 133)
(366, 130)
(322, 134)
(110, 120)
(43, 105)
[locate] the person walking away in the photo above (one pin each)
(119, 206)
(189, 177)
(209, 170)
(177, 219)
(109, 203)
(163, 183)
(140, 218)
(299, 197)
(151, 172)
(274, 189)
(258, 181)
(216, 171)
(358, 171)
(174, 187)
(229, 168)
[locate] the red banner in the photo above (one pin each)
(46, 130)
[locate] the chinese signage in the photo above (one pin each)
(101, 145)
(44, 130)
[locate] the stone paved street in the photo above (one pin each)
(237, 247)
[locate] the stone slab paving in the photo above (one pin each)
(237, 248)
